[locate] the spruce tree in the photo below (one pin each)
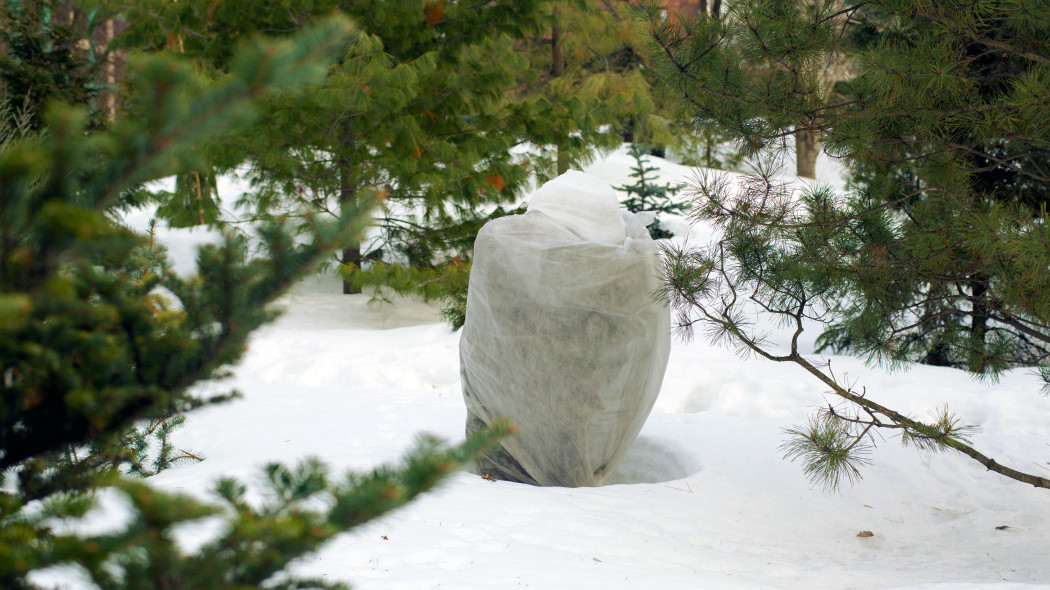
(42, 60)
(937, 249)
(89, 347)
(646, 195)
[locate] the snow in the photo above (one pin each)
(702, 500)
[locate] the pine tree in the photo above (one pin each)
(88, 348)
(925, 254)
(596, 75)
(418, 112)
(588, 85)
(832, 68)
(586, 80)
(646, 195)
(998, 172)
(425, 111)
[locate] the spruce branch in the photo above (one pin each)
(151, 356)
(304, 509)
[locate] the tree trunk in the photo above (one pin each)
(557, 57)
(686, 9)
(807, 148)
(557, 71)
(980, 315)
(835, 69)
(351, 255)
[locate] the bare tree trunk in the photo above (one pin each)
(685, 8)
(980, 317)
(111, 73)
(351, 255)
(807, 148)
(557, 57)
(807, 143)
(557, 71)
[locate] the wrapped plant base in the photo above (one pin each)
(563, 335)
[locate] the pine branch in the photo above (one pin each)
(685, 297)
(705, 288)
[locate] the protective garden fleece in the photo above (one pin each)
(563, 335)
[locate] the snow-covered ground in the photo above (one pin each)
(703, 499)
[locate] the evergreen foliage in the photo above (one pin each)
(424, 110)
(254, 548)
(42, 61)
(91, 347)
(589, 83)
(87, 348)
(15, 122)
(927, 255)
(598, 76)
(420, 111)
(645, 195)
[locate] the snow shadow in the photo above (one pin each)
(654, 460)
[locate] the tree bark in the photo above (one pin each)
(835, 69)
(980, 317)
(807, 148)
(351, 255)
(557, 57)
(557, 71)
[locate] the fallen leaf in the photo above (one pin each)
(496, 181)
(385, 538)
(596, 559)
(488, 477)
(865, 534)
(434, 12)
(1002, 528)
(32, 397)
